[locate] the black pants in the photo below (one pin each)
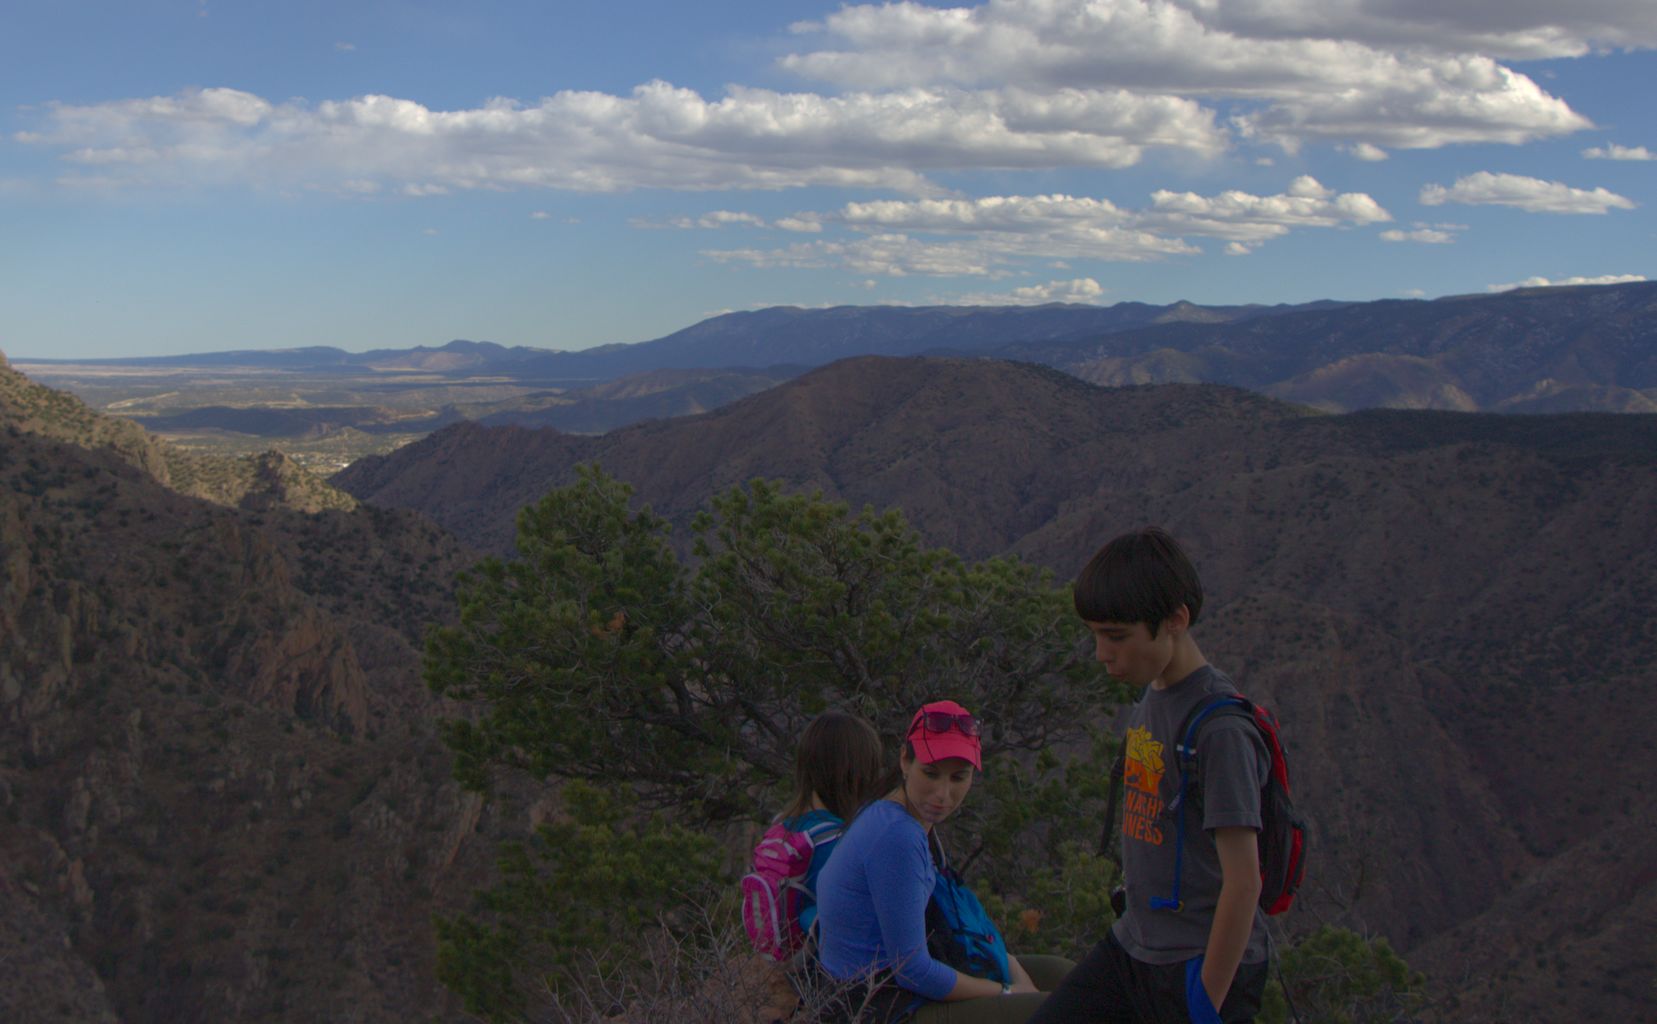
(1111, 987)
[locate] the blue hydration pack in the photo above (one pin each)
(960, 933)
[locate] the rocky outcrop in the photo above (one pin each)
(280, 482)
(45, 979)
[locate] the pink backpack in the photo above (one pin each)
(775, 891)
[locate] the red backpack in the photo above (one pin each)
(1282, 832)
(1282, 837)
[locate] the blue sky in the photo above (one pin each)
(200, 175)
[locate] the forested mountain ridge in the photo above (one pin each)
(1446, 608)
(1590, 348)
(222, 791)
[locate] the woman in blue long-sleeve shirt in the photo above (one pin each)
(872, 894)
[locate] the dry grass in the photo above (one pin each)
(706, 975)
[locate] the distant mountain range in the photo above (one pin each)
(1450, 610)
(782, 335)
(1532, 350)
(1589, 348)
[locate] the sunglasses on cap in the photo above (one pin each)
(941, 721)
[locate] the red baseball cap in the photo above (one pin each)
(944, 729)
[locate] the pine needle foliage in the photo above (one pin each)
(678, 687)
(1337, 976)
(599, 654)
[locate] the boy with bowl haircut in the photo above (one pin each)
(1189, 944)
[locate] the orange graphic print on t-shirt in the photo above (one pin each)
(1143, 773)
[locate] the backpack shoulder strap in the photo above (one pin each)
(826, 830)
(1117, 769)
(1185, 748)
(1185, 740)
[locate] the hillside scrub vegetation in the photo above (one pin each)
(663, 698)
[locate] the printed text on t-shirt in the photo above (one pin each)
(1144, 771)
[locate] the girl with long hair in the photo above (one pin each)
(838, 768)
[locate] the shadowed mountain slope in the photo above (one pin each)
(995, 443)
(1450, 610)
(222, 791)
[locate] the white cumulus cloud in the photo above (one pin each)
(1073, 222)
(1531, 194)
(916, 89)
(1426, 234)
(1080, 289)
(1003, 231)
(1612, 151)
(712, 220)
(659, 136)
(723, 218)
(886, 255)
(1370, 78)
(1238, 216)
(1517, 30)
(1543, 282)
(1004, 227)
(1419, 103)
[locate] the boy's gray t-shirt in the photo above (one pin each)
(1232, 767)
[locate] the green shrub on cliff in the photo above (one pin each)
(599, 655)
(1337, 976)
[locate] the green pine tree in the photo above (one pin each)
(599, 656)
